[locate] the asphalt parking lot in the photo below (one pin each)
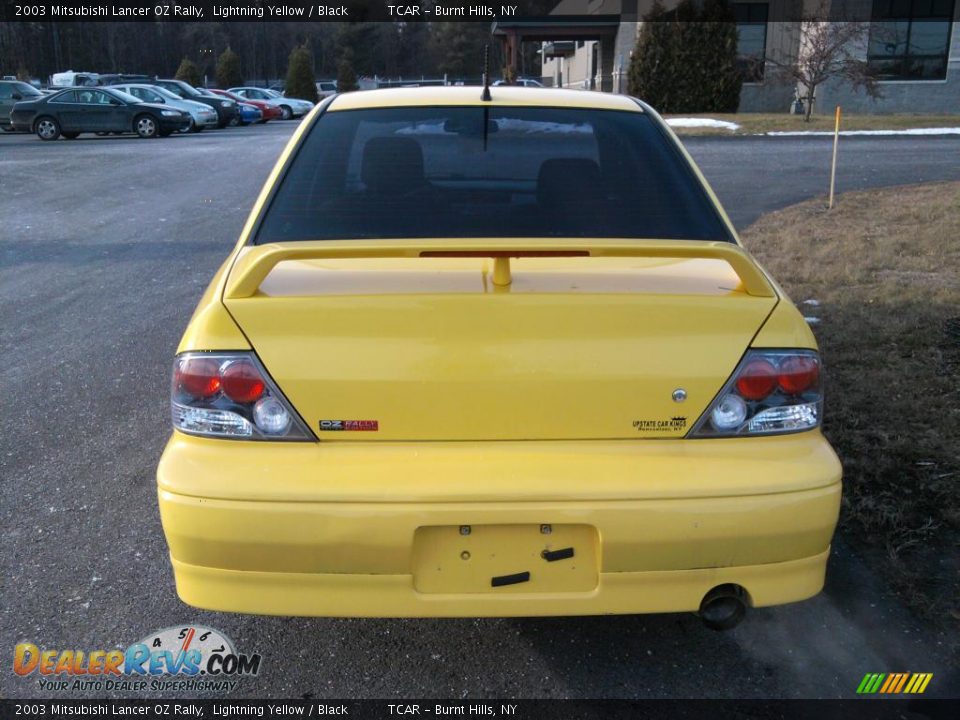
(107, 244)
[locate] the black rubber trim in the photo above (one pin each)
(554, 555)
(514, 579)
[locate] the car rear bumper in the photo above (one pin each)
(371, 529)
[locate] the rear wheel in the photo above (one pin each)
(287, 112)
(47, 128)
(192, 127)
(71, 135)
(146, 126)
(235, 121)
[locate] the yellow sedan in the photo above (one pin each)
(494, 357)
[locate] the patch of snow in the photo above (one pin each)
(812, 320)
(512, 124)
(702, 122)
(811, 301)
(907, 131)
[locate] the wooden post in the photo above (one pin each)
(833, 164)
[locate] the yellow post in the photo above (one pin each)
(501, 271)
(833, 166)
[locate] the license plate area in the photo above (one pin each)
(504, 559)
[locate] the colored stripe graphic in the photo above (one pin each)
(894, 683)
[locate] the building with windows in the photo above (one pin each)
(913, 46)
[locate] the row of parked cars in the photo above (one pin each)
(155, 108)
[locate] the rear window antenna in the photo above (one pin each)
(485, 96)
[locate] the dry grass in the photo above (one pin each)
(885, 268)
(754, 123)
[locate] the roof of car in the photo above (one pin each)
(470, 95)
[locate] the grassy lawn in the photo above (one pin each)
(754, 123)
(884, 266)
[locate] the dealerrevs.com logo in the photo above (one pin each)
(180, 658)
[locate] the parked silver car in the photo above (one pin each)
(201, 116)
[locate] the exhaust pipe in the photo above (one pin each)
(723, 607)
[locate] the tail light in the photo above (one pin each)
(230, 395)
(771, 392)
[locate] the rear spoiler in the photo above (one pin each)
(255, 262)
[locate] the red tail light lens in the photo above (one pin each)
(771, 392)
(798, 374)
(241, 382)
(198, 377)
(757, 380)
(230, 395)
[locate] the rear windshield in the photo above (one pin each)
(447, 172)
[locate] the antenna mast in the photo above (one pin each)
(486, 74)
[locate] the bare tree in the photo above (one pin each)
(828, 49)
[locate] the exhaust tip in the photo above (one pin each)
(723, 607)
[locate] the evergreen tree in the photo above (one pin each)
(724, 78)
(189, 73)
(346, 75)
(301, 82)
(228, 69)
(685, 60)
(650, 58)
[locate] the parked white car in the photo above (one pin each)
(201, 116)
(290, 107)
(326, 88)
(521, 82)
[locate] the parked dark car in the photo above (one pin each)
(100, 110)
(227, 111)
(12, 92)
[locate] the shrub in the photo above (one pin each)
(301, 82)
(189, 73)
(346, 75)
(228, 70)
(685, 60)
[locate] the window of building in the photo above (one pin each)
(751, 39)
(910, 39)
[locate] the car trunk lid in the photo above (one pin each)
(375, 342)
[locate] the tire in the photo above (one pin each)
(47, 128)
(189, 128)
(287, 112)
(166, 133)
(70, 135)
(146, 126)
(194, 128)
(235, 121)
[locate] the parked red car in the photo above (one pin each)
(270, 112)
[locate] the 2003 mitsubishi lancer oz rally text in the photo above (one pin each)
(491, 355)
